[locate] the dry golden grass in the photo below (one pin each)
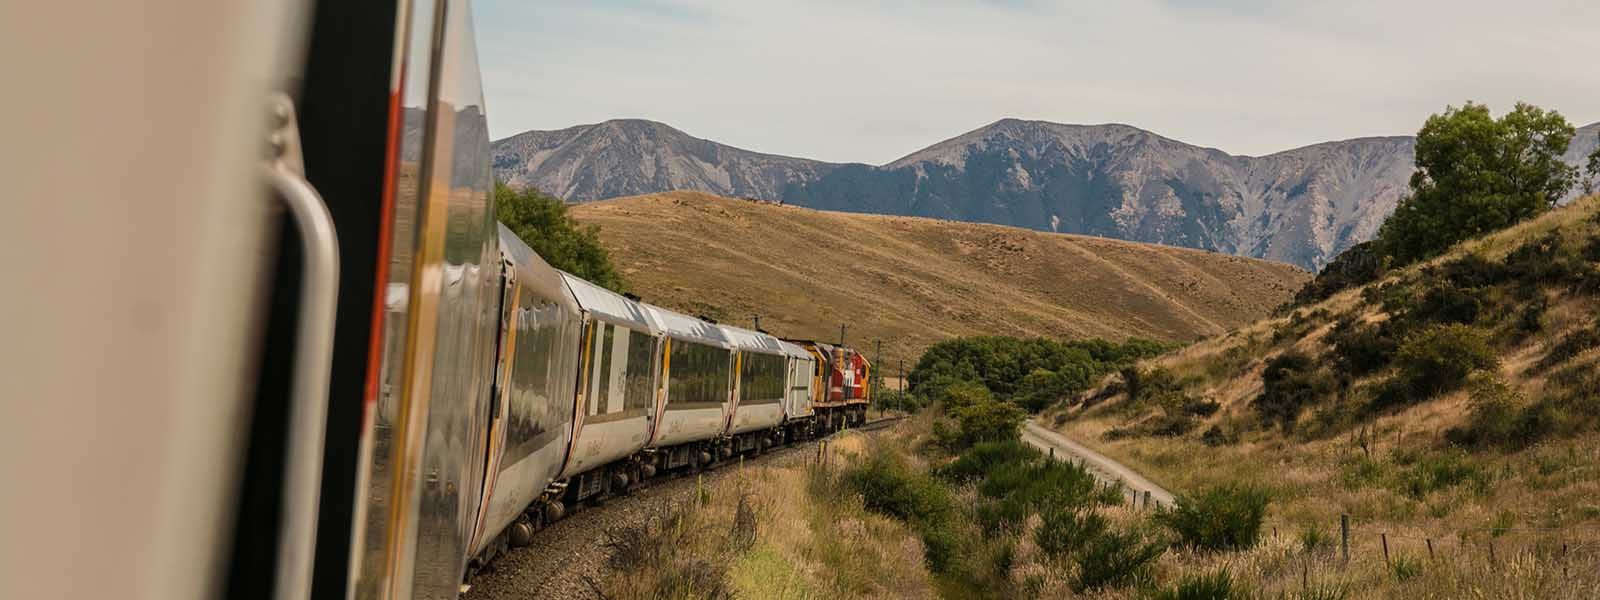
(1530, 503)
(918, 281)
(807, 543)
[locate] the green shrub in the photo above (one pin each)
(1225, 517)
(1405, 568)
(1494, 419)
(1215, 436)
(957, 395)
(987, 422)
(1313, 539)
(889, 486)
(1216, 585)
(1435, 472)
(1362, 349)
(1358, 265)
(1438, 360)
(984, 457)
(1012, 491)
(1063, 531)
(1291, 382)
(1115, 559)
(1002, 363)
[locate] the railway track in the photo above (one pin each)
(567, 558)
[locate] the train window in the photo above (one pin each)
(699, 373)
(532, 415)
(636, 378)
(760, 378)
(600, 386)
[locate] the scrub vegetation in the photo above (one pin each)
(1438, 387)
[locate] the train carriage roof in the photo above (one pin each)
(533, 273)
(794, 350)
(609, 306)
(685, 327)
(752, 341)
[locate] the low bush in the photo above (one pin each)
(1115, 559)
(956, 395)
(1362, 349)
(1358, 265)
(983, 458)
(1291, 382)
(1216, 585)
(889, 486)
(1433, 472)
(1437, 360)
(1063, 531)
(1013, 491)
(1215, 436)
(980, 421)
(1225, 517)
(1495, 417)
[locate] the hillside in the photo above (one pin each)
(1453, 403)
(1302, 206)
(912, 281)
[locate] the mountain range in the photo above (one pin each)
(1300, 206)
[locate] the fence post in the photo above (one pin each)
(1147, 499)
(1384, 537)
(1492, 561)
(1563, 559)
(1344, 537)
(1430, 549)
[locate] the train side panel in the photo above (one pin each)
(538, 374)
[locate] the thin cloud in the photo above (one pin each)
(873, 81)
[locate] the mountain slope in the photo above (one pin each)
(1302, 206)
(912, 281)
(628, 157)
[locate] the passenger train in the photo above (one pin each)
(265, 338)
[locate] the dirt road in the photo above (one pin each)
(1102, 467)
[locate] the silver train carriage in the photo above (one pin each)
(696, 389)
(531, 423)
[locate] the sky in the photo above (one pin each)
(873, 80)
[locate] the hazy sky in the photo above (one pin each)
(873, 80)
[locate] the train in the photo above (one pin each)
(595, 392)
(277, 344)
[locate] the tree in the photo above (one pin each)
(542, 222)
(1476, 174)
(1591, 170)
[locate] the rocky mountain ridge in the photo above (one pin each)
(1301, 206)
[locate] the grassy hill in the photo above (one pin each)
(913, 281)
(1451, 404)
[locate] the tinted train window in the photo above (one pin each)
(532, 416)
(698, 373)
(760, 378)
(601, 377)
(637, 378)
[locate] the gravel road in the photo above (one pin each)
(1101, 466)
(567, 556)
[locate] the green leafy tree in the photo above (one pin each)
(542, 221)
(1477, 174)
(1592, 170)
